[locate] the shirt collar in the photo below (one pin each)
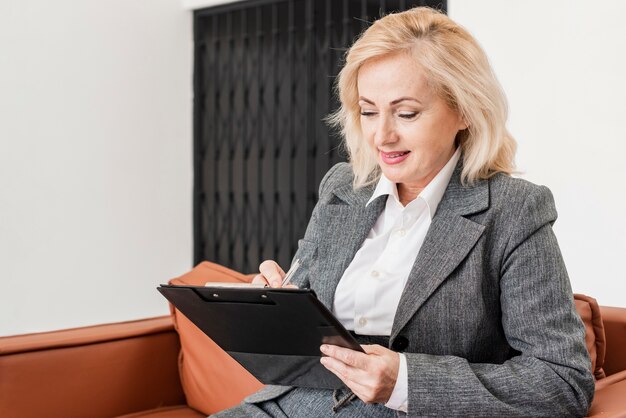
(431, 194)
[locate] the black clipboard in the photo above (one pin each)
(274, 333)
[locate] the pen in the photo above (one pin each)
(291, 272)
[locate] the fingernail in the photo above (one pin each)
(323, 348)
(275, 283)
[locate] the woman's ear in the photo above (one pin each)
(462, 123)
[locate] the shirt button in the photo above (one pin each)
(375, 273)
(362, 321)
(402, 232)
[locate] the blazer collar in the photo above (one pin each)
(358, 197)
(464, 199)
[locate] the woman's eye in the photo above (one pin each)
(407, 115)
(367, 113)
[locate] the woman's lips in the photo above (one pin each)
(394, 157)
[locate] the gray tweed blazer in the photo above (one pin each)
(486, 320)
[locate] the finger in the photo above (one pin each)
(259, 279)
(345, 355)
(292, 286)
(272, 273)
(328, 365)
(337, 368)
(373, 349)
(366, 386)
(362, 375)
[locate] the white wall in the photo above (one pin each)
(95, 159)
(563, 66)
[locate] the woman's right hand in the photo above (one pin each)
(271, 274)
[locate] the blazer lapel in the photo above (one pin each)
(450, 238)
(348, 222)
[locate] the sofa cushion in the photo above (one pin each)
(589, 312)
(211, 379)
(608, 401)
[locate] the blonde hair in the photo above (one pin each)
(456, 68)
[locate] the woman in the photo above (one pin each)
(442, 265)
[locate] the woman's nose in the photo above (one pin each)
(385, 132)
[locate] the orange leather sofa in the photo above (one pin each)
(164, 367)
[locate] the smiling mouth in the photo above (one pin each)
(395, 154)
(394, 157)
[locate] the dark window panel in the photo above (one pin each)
(263, 80)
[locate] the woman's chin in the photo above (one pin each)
(394, 175)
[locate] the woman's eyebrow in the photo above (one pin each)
(393, 102)
(402, 99)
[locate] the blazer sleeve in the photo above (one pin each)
(551, 374)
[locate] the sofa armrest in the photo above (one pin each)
(614, 320)
(99, 371)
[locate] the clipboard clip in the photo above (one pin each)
(234, 295)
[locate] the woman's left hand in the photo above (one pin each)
(371, 375)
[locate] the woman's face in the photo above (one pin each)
(410, 128)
